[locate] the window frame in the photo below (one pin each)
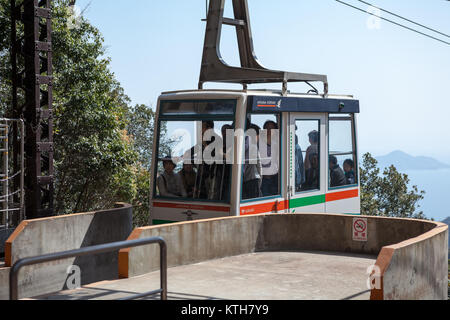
(162, 102)
(338, 117)
(280, 170)
(320, 159)
(185, 118)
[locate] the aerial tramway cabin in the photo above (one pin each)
(315, 136)
(223, 153)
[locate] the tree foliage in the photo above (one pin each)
(140, 128)
(93, 151)
(388, 194)
(5, 66)
(102, 145)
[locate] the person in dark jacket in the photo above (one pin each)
(270, 166)
(349, 171)
(299, 166)
(188, 176)
(312, 175)
(208, 181)
(337, 175)
(251, 187)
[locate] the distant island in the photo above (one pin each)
(404, 161)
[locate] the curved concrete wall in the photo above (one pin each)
(61, 233)
(196, 241)
(416, 268)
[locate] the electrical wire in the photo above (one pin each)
(393, 22)
(399, 16)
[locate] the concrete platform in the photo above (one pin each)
(255, 276)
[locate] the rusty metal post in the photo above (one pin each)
(35, 80)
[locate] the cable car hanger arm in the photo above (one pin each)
(214, 68)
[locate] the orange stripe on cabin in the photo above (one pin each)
(264, 207)
(341, 195)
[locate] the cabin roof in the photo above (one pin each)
(273, 100)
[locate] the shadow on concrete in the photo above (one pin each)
(87, 293)
(100, 267)
(188, 296)
(356, 295)
(328, 253)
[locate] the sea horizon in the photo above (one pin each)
(436, 184)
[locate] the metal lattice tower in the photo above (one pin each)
(31, 53)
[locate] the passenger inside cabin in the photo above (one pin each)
(313, 148)
(170, 183)
(252, 178)
(337, 175)
(226, 148)
(312, 175)
(208, 126)
(226, 167)
(349, 171)
(188, 176)
(270, 167)
(299, 166)
(209, 180)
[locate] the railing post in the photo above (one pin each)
(163, 269)
(14, 282)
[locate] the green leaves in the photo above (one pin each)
(96, 160)
(388, 194)
(140, 128)
(92, 152)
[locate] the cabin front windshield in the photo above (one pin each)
(191, 152)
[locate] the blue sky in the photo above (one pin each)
(402, 79)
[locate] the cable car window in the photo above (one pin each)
(191, 161)
(216, 107)
(261, 171)
(342, 155)
(307, 155)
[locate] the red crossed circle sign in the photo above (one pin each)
(360, 225)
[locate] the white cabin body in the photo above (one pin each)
(312, 168)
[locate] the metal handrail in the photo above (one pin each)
(108, 247)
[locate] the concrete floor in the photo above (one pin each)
(256, 276)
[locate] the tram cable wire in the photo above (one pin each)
(393, 22)
(411, 21)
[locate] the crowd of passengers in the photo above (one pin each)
(198, 181)
(260, 176)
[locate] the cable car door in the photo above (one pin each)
(307, 162)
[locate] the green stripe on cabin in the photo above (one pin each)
(308, 201)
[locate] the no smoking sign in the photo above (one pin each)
(359, 229)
